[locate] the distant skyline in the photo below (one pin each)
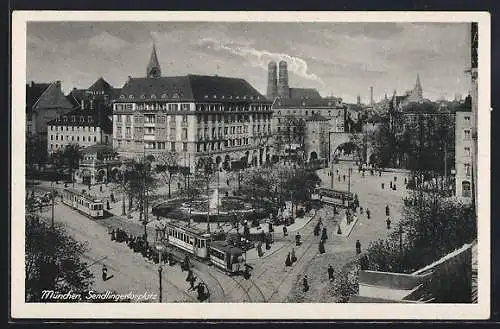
(339, 59)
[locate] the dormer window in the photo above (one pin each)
(175, 95)
(206, 96)
(244, 97)
(153, 96)
(143, 96)
(215, 96)
(222, 97)
(89, 118)
(237, 97)
(73, 118)
(164, 96)
(303, 103)
(65, 119)
(122, 96)
(131, 96)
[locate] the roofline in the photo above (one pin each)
(50, 85)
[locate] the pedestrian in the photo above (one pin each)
(367, 213)
(259, 249)
(363, 174)
(316, 229)
(104, 272)
(361, 210)
(112, 197)
(337, 171)
(288, 261)
(100, 188)
(379, 173)
(271, 229)
(305, 283)
(343, 177)
(358, 247)
(297, 239)
(406, 181)
(293, 257)
(192, 280)
(107, 205)
(382, 186)
(335, 210)
(388, 221)
(387, 210)
(390, 185)
(321, 246)
(394, 187)
(395, 179)
(227, 182)
(339, 178)
(285, 231)
(324, 236)
(330, 272)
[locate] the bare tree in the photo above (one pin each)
(167, 167)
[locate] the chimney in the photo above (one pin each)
(283, 89)
(371, 95)
(272, 81)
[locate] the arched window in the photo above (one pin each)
(466, 189)
(153, 96)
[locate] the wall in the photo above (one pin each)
(463, 157)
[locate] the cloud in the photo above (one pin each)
(261, 58)
(106, 42)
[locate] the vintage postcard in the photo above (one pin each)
(250, 165)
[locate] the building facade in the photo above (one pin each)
(99, 162)
(316, 143)
(44, 102)
(83, 127)
(463, 155)
(202, 119)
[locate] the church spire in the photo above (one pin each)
(153, 69)
(418, 87)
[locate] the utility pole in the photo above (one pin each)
(401, 239)
(53, 197)
(331, 176)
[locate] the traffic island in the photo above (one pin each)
(344, 228)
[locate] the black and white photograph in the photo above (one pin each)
(286, 166)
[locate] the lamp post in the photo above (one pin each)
(160, 248)
(53, 197)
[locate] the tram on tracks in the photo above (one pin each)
(198, 243)
(83, 202)
(333, 197)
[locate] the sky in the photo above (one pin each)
(338, 59)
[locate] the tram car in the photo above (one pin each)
(227, 257)
(83, 202)
(188, 239)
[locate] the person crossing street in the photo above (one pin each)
(330, 272)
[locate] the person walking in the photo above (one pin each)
(387, 210)
(293, 257)
(358, 247)
(367, 213)
(100, 188)
(361, 210)
(305, 283)
(330, 272)
(388, 221)
(107, 205)
(321, 246)
(382, 184)
(298, 241)
(288, 261)
(285, 231)
(390, 184)
(104, 272)
(343, 177)
(324, 235)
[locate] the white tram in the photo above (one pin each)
(83, 202)
(227, 257)
(188, 239)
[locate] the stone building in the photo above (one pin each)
(316, 142)
(201, 118)
(98, 163)
(463, 155)
(83, 127)
(44, 102)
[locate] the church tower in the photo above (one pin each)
(418, 89)
(153, 70)
(283, 89)
(272, 81)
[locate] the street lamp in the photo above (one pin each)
(160, 249)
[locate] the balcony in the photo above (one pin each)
(149, 137)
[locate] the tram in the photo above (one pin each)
(331, 196)
(83, 202)
(198, 243)
(227, 257)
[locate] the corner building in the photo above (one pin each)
(202, 119)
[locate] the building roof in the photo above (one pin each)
(52, 97)
(306, 103)
(84, 118)
(307, 93)
(201, 88)
(100, 84)
(98, 148)
(33, 93)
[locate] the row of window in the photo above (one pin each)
(78, 128)
(232, 118)
(232, 108)
(199, 243)
(84, 138)
(74, 119)
(213, 146)
(300, 112)
(153, 145)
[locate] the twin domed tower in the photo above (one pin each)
(277, 85)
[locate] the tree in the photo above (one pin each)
(167, 167)
(258, 183)
(56, 159)
(53, 261)
(72, 155)
(36, 152)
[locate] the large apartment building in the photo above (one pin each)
(201, 118)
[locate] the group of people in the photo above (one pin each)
(324, 236)
(200, 288)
